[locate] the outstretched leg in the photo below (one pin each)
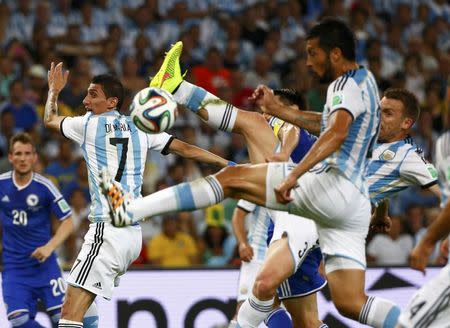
(217, 113)
(242, 182)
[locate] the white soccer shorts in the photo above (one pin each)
(341, 212)
(301, 234)
(106, 254)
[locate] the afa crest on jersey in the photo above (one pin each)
(387, 155)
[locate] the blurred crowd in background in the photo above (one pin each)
(229, 48)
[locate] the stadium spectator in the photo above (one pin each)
(172, 248)
(64, 168)
(396, 241)
(25, 116)
(211, 75)
(218, 245)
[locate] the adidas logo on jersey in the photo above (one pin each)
(97, 285)
(5, 199)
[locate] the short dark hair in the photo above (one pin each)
(334, 33)
(112, 87)
(408, 99)
(23, 137)
(292, 96)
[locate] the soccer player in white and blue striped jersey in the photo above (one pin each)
(327, 186)
(442, 161)
(108, 139)
(429, 307)
(397, 162)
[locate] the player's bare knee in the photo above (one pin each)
(247, 122)
(348, 307)
(264, 286)
(231, 178)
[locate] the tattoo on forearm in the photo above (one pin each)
(51, 106)
(309, 122)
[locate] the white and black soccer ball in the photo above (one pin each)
(153, 110)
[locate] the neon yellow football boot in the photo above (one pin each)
(169, 75)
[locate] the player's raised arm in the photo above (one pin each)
(289, 138)
(57, 80)
(186, 150)
(238, 224)
(329, 141)
(269, 104)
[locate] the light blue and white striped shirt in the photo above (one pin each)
(111, 140)
(257, 222)
(356, 92)
(396, 166)
(442, 159)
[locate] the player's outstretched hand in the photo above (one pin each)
(245, 252)
(418, 259)
(42, 253)
(283, 190)
(57, 78)
(265, 99)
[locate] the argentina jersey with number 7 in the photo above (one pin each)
(111, 140)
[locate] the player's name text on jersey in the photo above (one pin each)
(117, 127)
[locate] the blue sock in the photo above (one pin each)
(278, 318)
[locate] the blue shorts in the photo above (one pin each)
(23, 287)
(306, 280)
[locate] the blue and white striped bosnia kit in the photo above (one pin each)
(111, 140)
(356, 92)
(396, 166)
(442, 160)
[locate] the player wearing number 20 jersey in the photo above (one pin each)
(25, 213)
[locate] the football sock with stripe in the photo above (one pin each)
(221, 115)
(378, 312)
(189, 196)
(278, 318)
(90, 319)
(254, 311)
(23, 320)
(63, 323)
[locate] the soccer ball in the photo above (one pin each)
(153, 110)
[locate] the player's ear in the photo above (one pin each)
(407, 123)
(335, 54)
(112, 102)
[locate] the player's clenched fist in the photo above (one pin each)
(265, 99)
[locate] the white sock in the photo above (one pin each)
(189, 196)
(221, 115)
(378, 312)
(90, 319)
(253, 312)
(63, 323)
(233, 324)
